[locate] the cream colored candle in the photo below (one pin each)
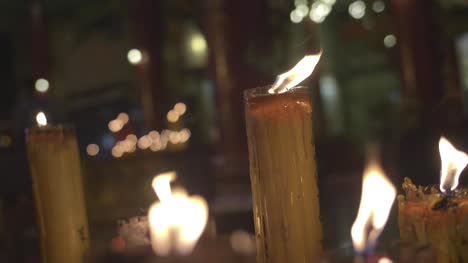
(58, 190)
(283, 176)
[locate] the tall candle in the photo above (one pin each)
(58, 190)
(283, 176)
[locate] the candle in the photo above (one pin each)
(438, 216)
(377, 197)
(283, 168)
(178, 220)
(58, 190)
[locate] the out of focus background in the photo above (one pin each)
(394, 73)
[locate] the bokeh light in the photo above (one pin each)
(378, 6)
(117, 152)
(172, 116)
(123, 117)
(41, 85)
(92, 149)
(180, 108)
(390, 40)
(134, 56)
(115, 125)
(295, 16)
(357, 9)
(144, 142)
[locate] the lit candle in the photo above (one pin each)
(377, 197)
(438, 216)
(58, 190)
(283, 168)
(178, 220)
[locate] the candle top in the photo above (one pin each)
(279, 106)
(48, 132)
(432, 196)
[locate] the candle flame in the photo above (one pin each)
(377, 197)
(41, 119)
(453, 163)
(296, 75)
(178, 221)
(162, 185)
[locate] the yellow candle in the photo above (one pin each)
(58, 190)
(283, 177)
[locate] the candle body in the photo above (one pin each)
(445, 229)
(58, 191)
(283, 177)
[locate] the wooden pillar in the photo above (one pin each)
(40, 56)
(417, 37)
(147, 29)
(232, 27)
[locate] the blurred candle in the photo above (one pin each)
(377, 197)
(178, 220)
(58, 190)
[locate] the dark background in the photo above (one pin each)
(396, 77)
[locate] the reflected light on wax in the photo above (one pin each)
(41, 119)
(377, 197)
(178, 220)
(453, 163)
(296, 75)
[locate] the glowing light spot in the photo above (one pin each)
(116, 152)
(154, 135)
(378, 6)
(242, 242)
(115, 125)
(134, 56)
(295, 17)
(390, 41)
(41, 119)
(174, 137)
(357, 9)
(132, 138)
(184, 135)
(180, 108)
(92, 149)
(172, 116)
(328, 2)
(321, 9)
(144, 142)
(198, 43)
(302, 10)
(41, 85)
(123, 117)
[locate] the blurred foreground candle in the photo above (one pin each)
(178, 220)
(58, 191)
(438, 216)
(283, 168)
(377, 197)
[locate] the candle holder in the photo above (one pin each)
(283, 175)
(58, 190)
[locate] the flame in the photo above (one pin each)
(162, 185)
(296, 75)
(453, 163)
(178, 221)
(377, 197)
(41, 119)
